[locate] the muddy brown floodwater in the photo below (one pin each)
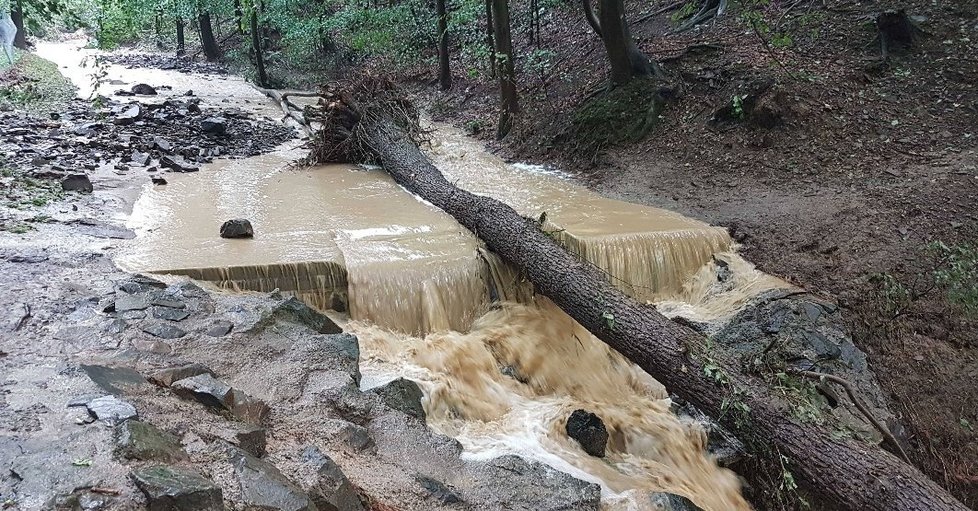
(501, 369)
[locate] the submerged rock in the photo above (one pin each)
(169, 488)
(137, 440)
(404, 395)
(77, 183)
(262, 486)
(237, 228)
(589, 431)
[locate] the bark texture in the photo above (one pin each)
(181, 40)
(207, 40)
(505, 68)
(444, 70)
(17, 15)
(626, 60)
(260, 75)
(842, 473)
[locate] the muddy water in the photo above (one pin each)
(419, 291)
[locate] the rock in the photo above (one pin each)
(249, 408)
(237, 228)
(516, 483)
(169, 301)
(357, 437)
(164, 330)
(170, 314)
(128, 116)
(720, 443)
(152, 346)
(169, 488)
(206, 389)
(111, 409)
(114, 380)
(139, 158)
(177, 163)
(262, 486)
(214, 125)
(219, 328)
(438, 490)
(87, 129)
(77, 183)
(162, 144)
(139, 284)
(251, 439)
(143, 90)
(132, 302)
(326, 483)
(404, 395)
(662, 501)
(16, 317)
(293, 309)
(589, 431)
(137, 440)
(157, 180)
(116, 326)
(166, 376)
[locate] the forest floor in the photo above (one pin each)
(849, 177)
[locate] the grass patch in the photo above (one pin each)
(33, 84)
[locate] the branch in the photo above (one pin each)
(592, 19)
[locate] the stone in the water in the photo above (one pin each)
(220, 328)
(77, 183)
(143, 89)
(157, 180)
(237, 228)
(325, 482)
(111, 409)
(137, 440)
(262, 486)
(166, 376)
(164, 330)
(404, 395)
(589, 431)
(169, 488)
(215, 125)
(662, 501)
(170, 314)
(206, 389)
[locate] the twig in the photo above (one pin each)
(770, 51)
(859, 405)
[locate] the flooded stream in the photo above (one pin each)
(501, 369)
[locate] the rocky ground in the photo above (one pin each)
(167, 62)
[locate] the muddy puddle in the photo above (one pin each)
(501, 369)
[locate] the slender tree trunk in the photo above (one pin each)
(444, 71)
(256, 48)
(211, 51)
(489, 40)
(842, 473)
(17, 15)
(506, 68)
(181, 41)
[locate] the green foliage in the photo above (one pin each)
(738, 106)
(397, 31)
(688, 9)
(624, 114)
(957, 274)
(36, 87)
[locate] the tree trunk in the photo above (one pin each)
(238, 17)
(17, 15)
(489, 40)
(841, 473)
(505, 67)
(444, 71)
(627, 61)
(211, 51)
(256, 48)
(181, 42)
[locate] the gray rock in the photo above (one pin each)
(404, 395)
(163, 330)
(139, 284)
(139, 158)
(519, 484)
(152, 346)
(206, 389)
(166, 376)
(114, 380)
(219, 328)
(116, 326)
(162, 144)
(111, 409)
(137, 440)
(143, 89)
(726, 448)
(589, 431)
(356, 437)
(170, 314)
(177, 163)
(169, 488)
(214, 125)
(16, 317)
(132, 302)
(128, 116)
(169, 301)
(440, 491)
(671, 502)
(262, 486)
(326, 483)
(77, 183)
(251, 439)
(237, 228)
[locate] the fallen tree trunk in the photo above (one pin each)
(839, 473)
(290, 109)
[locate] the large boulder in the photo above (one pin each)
(137, 440)
(326, 483)
(404, 395)
(262, 486)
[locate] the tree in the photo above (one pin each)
(211, 51)
(627, 61)
(505, 67)
(260, 76)
(444, 71)
(17, 15)
(181, 41)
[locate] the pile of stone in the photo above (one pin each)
(167, 62)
